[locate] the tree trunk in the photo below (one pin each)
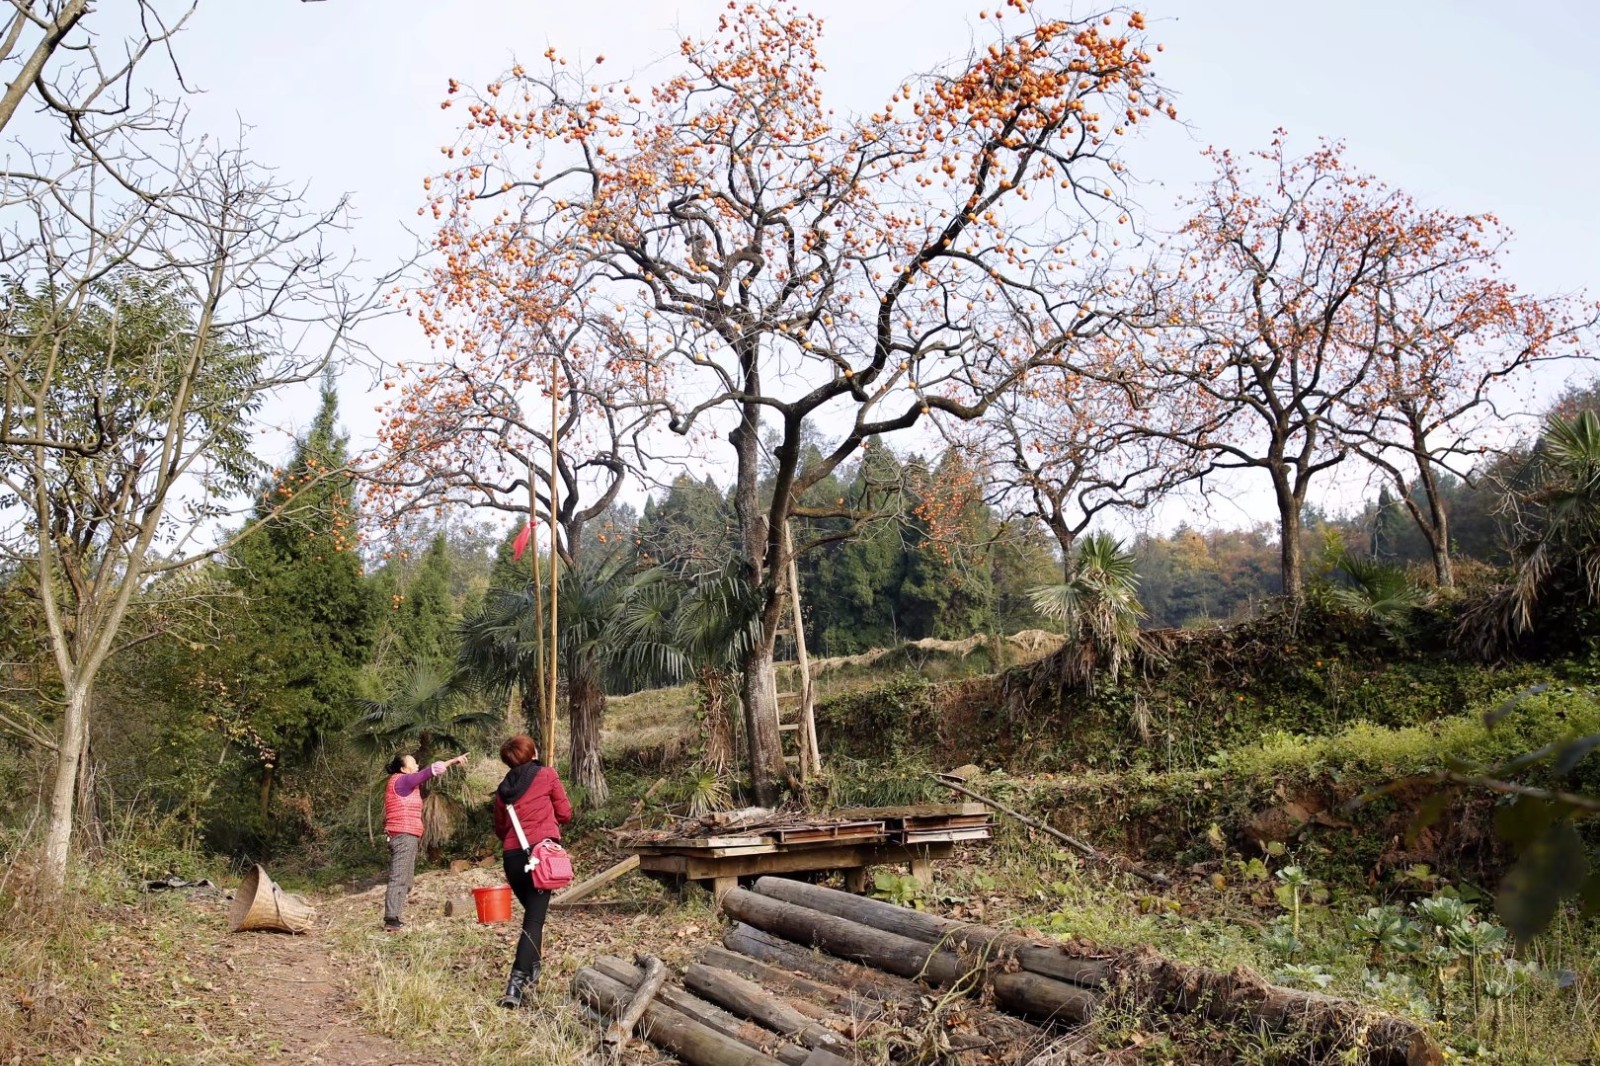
(1437, 529)
(855, 990)
(63, 797)
(586, 707)
(90, 831)
(964, 937)
(1291, 553)
(532, 701)
(707, 1014)
(715, 692)
(759, 689)
(756, 543)
(889, 952)
(264, 792)
(750, 1000)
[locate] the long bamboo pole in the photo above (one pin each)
(535, 680)
(555, 507)
(954, 784)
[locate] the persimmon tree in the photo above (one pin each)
(788, 266)
(1449, 336)
(1268, 337)
(1067, 448)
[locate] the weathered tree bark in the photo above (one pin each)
(1436, 527)
(869, 996)
(749, 1000)
(1044, 998)
(655, 975)
(1241, 997)
(762, 736)
(586, 708)
(889, 952)
(74, 737)
(758, 687)
(690, 1040)
(1291, 553)
(984, 942)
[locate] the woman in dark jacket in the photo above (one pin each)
(535, 792)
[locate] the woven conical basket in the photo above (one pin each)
(261, 904)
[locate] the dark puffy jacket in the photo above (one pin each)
(541, 802)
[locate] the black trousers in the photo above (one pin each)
(535, 903)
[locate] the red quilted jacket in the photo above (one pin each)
(542, 806)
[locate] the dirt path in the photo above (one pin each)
(297, 1001)
(289, 998)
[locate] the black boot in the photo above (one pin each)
(533, 979)
(515, 986)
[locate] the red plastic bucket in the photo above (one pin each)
(493, 903)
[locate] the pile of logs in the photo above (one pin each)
(892, 984)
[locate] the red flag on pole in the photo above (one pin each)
(520, 545)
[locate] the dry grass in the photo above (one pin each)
(433, 988)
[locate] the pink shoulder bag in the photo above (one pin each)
(548, 861)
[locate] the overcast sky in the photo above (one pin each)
(1468, 105)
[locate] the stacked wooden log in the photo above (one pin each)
(907, 980)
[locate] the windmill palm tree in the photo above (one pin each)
(714, 625)
(614, 633)
(425, 707)
(1556, 518)
(1379, 592)
(1098, 605)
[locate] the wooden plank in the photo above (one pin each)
(595, 883)
(945, 836)
(739, 840)
(793, 859)
(920, 810)
(830, 830)
(719, 853)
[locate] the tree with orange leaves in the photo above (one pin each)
(1068, 448)
(784, 267)
(1315, 313)
(1449, 335)
(530, 411)
(1262, 331)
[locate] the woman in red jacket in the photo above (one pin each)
(535, 792)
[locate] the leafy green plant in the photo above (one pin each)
(1384, 930)
(704, 790)
(1378, 592)
(1297, 888)
(902, 890)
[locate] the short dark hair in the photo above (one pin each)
(396, 764)
(518, 750)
